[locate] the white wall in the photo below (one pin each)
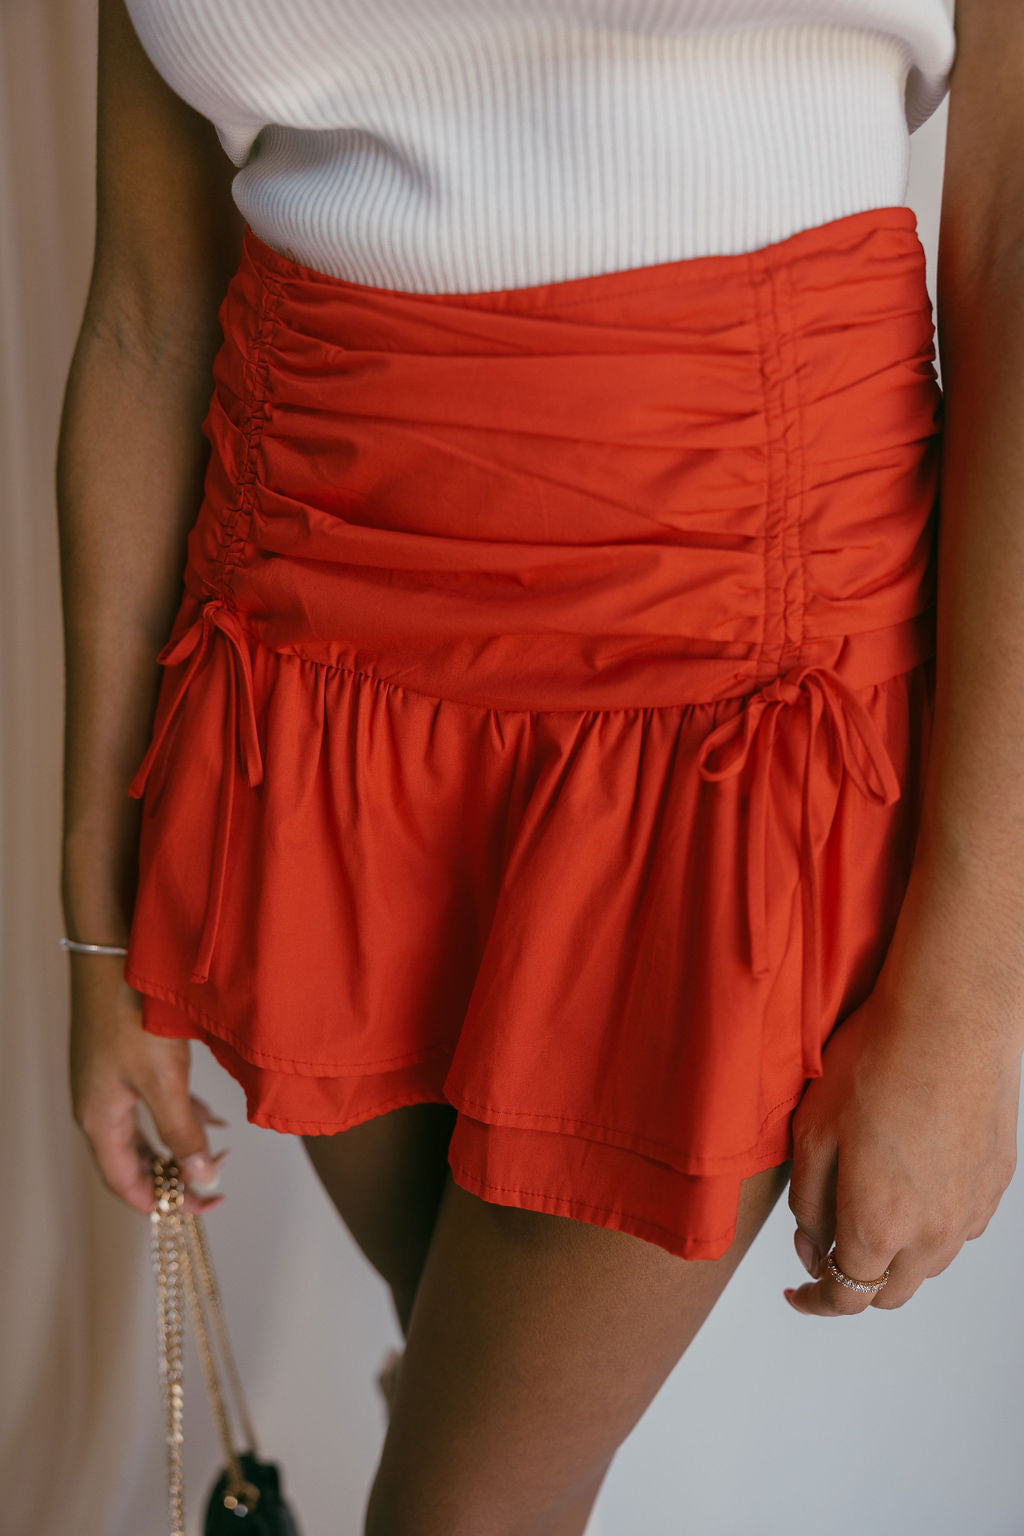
(891, 1422)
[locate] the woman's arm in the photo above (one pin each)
(963, 920)
(904, 1148)
(130, 455)
(130, 464)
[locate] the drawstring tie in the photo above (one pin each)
(752, 728)
(215, 617)
(831, 699)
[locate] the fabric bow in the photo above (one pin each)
(753, 729)
(215, 617)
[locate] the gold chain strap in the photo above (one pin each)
(179, 1253)
(199, 1255)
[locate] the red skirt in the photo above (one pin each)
(545, 718)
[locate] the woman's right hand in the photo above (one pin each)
(113, 1064)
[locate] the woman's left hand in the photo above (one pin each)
(903, 1149)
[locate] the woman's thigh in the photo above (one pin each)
(535, 1344)
(385, 1178)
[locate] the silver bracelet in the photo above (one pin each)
(93, 949)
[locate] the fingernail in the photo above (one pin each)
(201, 1174)
(810, 1258)
(789, 1297)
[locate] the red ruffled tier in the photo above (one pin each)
(542, 925)
(544, 722)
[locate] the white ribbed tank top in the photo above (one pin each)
(465, 145)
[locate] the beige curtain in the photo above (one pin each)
(72, 1313)
(80, 1422)
(773, 1424)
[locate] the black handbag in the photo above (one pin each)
(248, 1487)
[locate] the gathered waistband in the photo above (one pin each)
(640, 488)
(701, 481)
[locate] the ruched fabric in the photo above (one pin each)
(544, 722)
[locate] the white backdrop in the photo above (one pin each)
(772, 1424)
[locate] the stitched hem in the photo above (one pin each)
(295, 1126)
(260, 1058)
(647, 1146)
(626, 1140)
(677, 1243)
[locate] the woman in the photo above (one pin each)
(571, 803)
